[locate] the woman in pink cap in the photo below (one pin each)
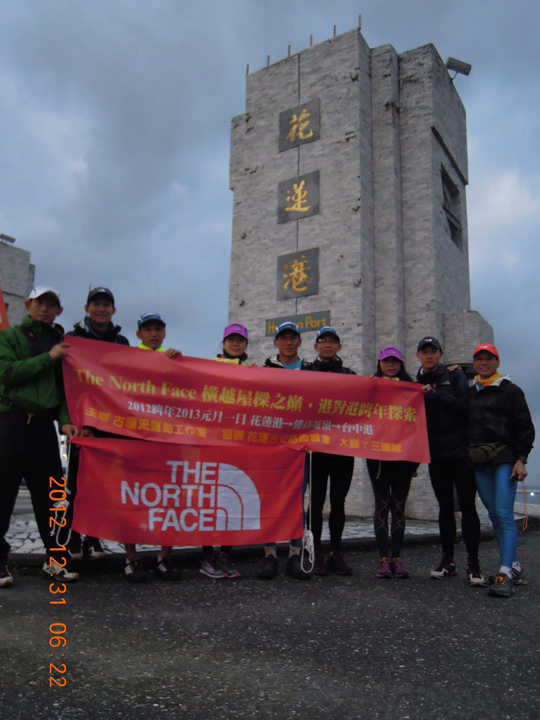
(235, 341)
(391, 480)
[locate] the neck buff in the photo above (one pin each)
(487, 381)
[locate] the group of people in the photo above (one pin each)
(479, 439)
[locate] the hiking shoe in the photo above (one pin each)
(385, 569)
(502, 587)
(62, 574)
(446, 568)
(319, 566)
(134, 571)
(336, 562)
(269, 567)
(398, 571)
(74, 547)
(212, 569)
(228, 568)
(166, 570)
(518, 576)
(474, 575)
(295, 569)
(93, 548)
(6, 579)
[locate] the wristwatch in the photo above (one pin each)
(523, 459)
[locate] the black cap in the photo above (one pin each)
(429, 340)
(100, 291)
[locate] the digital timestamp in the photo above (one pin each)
(57, 588)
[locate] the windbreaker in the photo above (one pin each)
(84, 329)
(29, 377)
(499, 413)
(334, 366)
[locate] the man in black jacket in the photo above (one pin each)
(446, 397)
(323, 465)
(96, 325)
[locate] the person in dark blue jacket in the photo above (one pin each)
(446, 395)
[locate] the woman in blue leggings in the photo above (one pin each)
(501, 433)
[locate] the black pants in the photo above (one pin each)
(29, 450)
(340, 470)
(444, 474)
(391, 482)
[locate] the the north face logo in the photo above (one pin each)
(204, 496)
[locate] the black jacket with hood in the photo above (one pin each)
(84, 329)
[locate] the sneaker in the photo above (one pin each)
(62, 574)
(269, 568)
(6, 579)
(474, 575)
(135, 572)
(518, 576)
(502, 587)
(336, 562)
(212, 569)
(295, 569)
(398, 571)
(166, 570)
(229, 571)
(385, 569)
(74, 547)
(446, 568)
(93, 548)
(319, 566)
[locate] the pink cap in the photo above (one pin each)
(390, 351)
(235, 328)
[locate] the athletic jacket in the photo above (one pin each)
(447, 411)
(29, 377)
(84, 329)
(274, 363)
(334, 366)
(499, 413)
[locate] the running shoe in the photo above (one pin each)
(229, 571)
(166, 570)
(502, 587)
(62, 574)
(336, 562)
(212, 569)
(135, 572)
(518, 576)
(474, 575)
(6, 579)
(74, 547)
(319, 566)
(93, 548)
(385, 569)
(398, 571)
(269, 568)
(446, 568)
(295, 569)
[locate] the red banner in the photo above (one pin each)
(149, 396)
(4, 322)
(165, 494)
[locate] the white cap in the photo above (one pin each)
(40, 290)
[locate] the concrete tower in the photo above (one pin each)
(349, 170)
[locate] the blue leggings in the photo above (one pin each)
(498, 493)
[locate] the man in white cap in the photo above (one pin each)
(31, 398)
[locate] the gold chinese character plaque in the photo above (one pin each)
(300, 125)
(298, 274)
(298, 197)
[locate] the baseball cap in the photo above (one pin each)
(286, 326)
(100, 291)
(40, 290)
(147, 317)
(235, 328)
(428, 340)
(324, 330)
(488, 348)
(390, 351)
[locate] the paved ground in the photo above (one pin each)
(331, 648)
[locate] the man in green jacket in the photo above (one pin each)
(31, 398)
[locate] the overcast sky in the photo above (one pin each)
(114, 147)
